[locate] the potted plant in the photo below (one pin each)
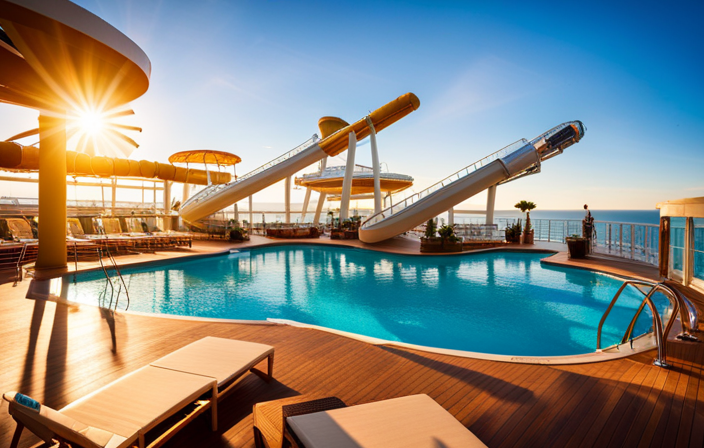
(513, 232)
(450, 241)
(430, 242)
(526, 207)
(577, 246)
(238, 234)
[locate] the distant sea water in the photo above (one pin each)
(624, 216)
(627, 216)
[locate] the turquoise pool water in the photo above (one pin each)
(496, 302)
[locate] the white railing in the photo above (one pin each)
(209, 191)
(501, 153)
(637, 242)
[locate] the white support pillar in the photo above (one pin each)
(347, 181)
(375, 166)
(305, 205)
(490, 202)
(237, 213)
(251, 213)
(167, 205)
(451, 216)
(321, 196)
(186, 193)
(319, 208)
(114, 196)
(288, 199)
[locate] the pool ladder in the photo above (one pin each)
(680, 304)
(109, 279)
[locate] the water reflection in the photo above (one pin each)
(493, 302)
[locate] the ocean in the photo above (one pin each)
(623, 216)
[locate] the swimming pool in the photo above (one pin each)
(493, 302)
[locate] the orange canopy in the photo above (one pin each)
(207, 156)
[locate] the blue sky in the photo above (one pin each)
(254, 77)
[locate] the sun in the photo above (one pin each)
(96, 132)
(91, 122)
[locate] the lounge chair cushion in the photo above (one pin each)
(138, 402)
(219, 358)
(416, 421)
(47, 423)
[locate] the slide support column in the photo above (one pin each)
(251, 214)
(347, 181)
(490, 202)
(305, 205)
(288, 199)
(375, 167)
(167, 205)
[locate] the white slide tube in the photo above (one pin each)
(447, 197)
(222, 196)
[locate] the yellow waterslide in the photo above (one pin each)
(16, 157)
(217, 197)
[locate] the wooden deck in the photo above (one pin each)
(58, 354)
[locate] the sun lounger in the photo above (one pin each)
(415, 421)
(226, 360)
(179, 387)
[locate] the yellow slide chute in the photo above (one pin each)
(16, 157)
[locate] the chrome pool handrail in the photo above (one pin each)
(680, 306)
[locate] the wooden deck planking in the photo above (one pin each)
(58, 354)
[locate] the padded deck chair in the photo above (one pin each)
(189, 381)
(415, 421)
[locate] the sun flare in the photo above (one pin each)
(97, 132)
(91, 122)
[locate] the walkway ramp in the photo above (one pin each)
(516, 160)
(216, 197)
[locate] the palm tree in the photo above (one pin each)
(526, 207)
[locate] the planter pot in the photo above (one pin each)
(513, 238)
(528, 237)
(337, 234)
(452, 246)
(577, 247)
(436, 245)
(432, 244)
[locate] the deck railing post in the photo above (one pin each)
(633, 242)
(549, 221)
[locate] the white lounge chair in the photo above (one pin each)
(191, 379)
(415, 421)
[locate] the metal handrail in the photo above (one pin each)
(680, 305)
(18, 274)
(122, 280)
(107, 276)
(215, 188)
(119, 275)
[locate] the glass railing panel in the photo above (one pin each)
(698, 248)
(677, 245)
